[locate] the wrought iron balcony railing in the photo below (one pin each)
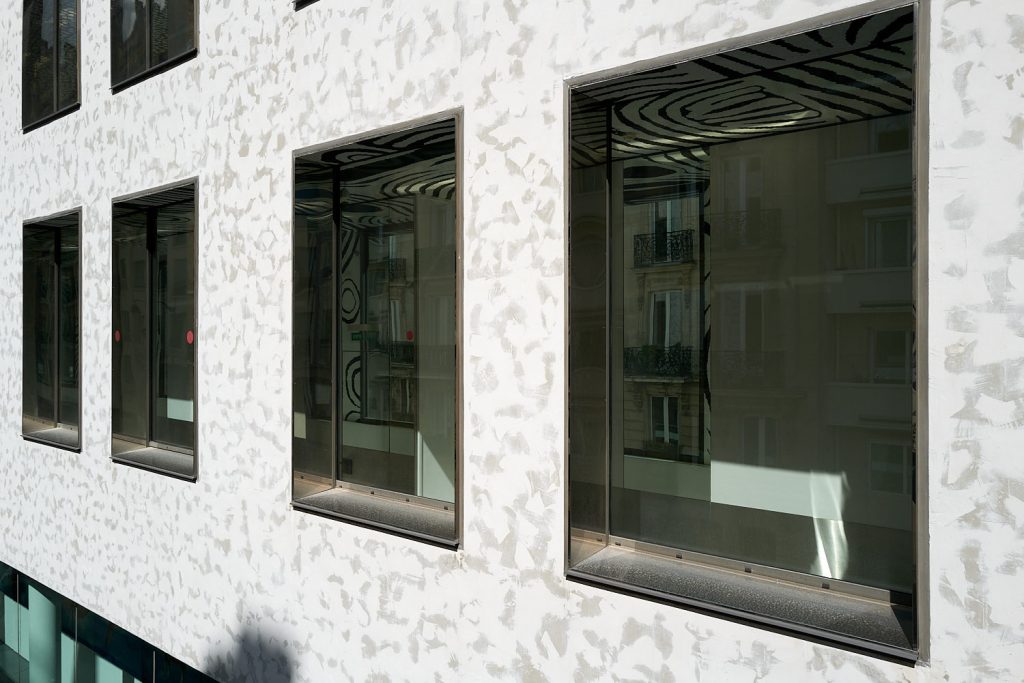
(662, 248)
(659, 361)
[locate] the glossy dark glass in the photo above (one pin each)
(146, 34)
(51, 336)
(44, 636)
(741, 308)
(374, 357)
(49, 58)
(154, 335)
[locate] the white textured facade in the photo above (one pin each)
(226, 576)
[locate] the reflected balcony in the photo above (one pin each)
(672, 362)
(662, 248)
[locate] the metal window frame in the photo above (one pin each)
(159, 67)
(58, 112)
(148, 442)
(919, 374)
(457, 115)
(77, 212)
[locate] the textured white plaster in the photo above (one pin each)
(224, 575)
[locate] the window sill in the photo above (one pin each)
(158, 460)
(396, 516)
(154, 70)
(853, 623)
(60, 113)
(58, 437)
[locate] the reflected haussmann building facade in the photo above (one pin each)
(742, 239)
(374, 358)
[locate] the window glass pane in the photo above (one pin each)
(172, 26)
(67, 53)
(173, 335)
(376, 327)
(67, 301)
(780, 169)
(128, 38)
(40, 320)
(588, 324)
(131, 330)
(313, 311)
(39, 45)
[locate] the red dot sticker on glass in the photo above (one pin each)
(189, 337)
(408, 335)
(117, 335)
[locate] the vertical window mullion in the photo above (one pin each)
(337, 358)
(56, 55)
(55, 302)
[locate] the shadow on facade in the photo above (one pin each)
(255, 657)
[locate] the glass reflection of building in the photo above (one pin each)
(742, 238)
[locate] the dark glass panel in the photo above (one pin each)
(40, 311)
(375, 316)
(106, 652)
(68, 304)
(67, 53)
(172, 29)
(760, 262)
(397, 343)
(130, 334)
(174, 334)
(588, 329)
(313, 311)
(38, 53)
(129, 26)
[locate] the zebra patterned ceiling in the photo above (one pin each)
(670, 116)
(378, 180)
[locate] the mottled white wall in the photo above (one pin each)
(224, 575)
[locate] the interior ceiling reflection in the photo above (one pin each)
(379, 177)
(670, 117)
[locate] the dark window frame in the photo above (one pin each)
(620, 580)
(42, 223)
(58, 112)
(148, 442)
(159, 67)
(302, 4)
(393, 498)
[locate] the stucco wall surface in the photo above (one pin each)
(224, 575)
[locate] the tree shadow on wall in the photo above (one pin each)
(254, 657)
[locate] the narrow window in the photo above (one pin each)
(49, 60)
(375, 387)
(148, 36)
(52, 273)
(154, 335)
(721, 405)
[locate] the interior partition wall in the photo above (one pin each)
(154, 335)
(741, 333)
(51, 388)
(375, 386)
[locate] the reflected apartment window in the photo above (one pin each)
(149, 36)
(50, 377)
(375, 388)
(154, 331)
(721, 405)
(49, 67)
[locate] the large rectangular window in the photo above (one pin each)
(149, 35)
(52, 274)
(49, 73)
(741, 332)
(375, 385)
(154, 331)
